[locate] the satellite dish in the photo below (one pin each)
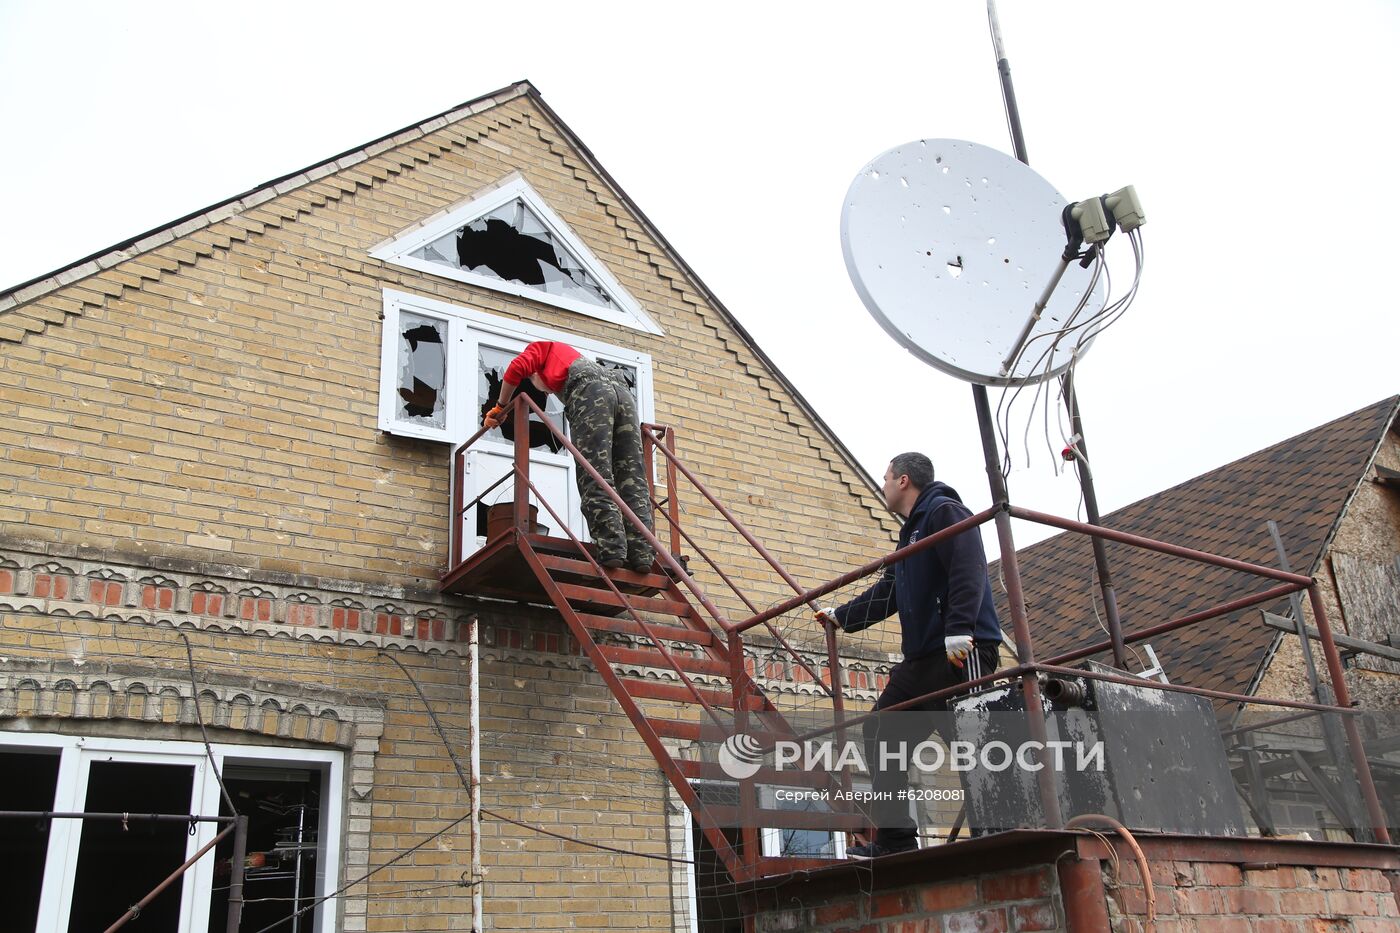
(950, 244)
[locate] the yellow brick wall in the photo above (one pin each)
(217, 399)
(556, 753)
(208, 408)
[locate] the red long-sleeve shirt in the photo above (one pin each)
(549, 358)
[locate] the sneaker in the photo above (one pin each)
(875, 850)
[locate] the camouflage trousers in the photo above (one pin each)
(604, 426)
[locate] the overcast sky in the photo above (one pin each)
(1256, 134)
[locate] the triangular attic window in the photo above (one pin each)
(509, 240)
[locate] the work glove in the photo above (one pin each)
(494, 417)
(958, 648)
(827, 614)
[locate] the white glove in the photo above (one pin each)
(827, 614)
(958, 647)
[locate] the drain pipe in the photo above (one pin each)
(474, 699)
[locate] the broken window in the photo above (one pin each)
(628, 373)
(491, 367)
(513, 244)
(422, 358)
(510, 240)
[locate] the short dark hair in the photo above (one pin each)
(916, 466)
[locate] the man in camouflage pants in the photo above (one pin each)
(605, 426)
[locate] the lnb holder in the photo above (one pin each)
(1095, 223)
(1125, 209)
(1092, 220)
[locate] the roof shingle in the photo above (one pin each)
(1303, 483)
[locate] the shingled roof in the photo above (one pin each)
(1304, 484)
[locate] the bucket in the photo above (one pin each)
(499, 516)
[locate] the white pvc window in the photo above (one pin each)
(124, 775)
(510, 240)
(477, 349)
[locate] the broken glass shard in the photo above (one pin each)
(422, 370)
(491, 366)
(513, 244)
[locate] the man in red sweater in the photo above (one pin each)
(605, 426)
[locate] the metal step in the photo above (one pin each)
(577, 567)
(676, 693)
(709, 771)
(650, 657)
(663, 630)
(595, 596)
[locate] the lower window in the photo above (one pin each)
(83, 874)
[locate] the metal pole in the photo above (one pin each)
(1339, 688)
(1025, 653)
(135, 909)
(1091, 511)
(1330, 733)
(1086, 476)
(235, 885)
(296, 872)
(474, 701)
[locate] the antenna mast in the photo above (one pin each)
(1081, 460)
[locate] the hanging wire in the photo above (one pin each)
(199, 717)
(466, 783)
(373, 871)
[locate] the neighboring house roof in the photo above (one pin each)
(15, 298)
(1304, 484)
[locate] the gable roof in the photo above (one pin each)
(19, 316)
(1304, 484)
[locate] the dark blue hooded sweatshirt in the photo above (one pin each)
(941, 591)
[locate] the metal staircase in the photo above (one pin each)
(628, 623)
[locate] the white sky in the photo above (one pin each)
(1255, 133)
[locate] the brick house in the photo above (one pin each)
(219, 431)
(1332, 493)
(237, 436)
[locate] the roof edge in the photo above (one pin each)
(1257, 678)
(27, 291)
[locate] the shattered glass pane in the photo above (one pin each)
(629, 375)
(422, 370)
(513, 244)
(491, 366)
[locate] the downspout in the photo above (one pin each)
(474, 698)
(1082, 893)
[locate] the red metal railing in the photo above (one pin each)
(657, 439)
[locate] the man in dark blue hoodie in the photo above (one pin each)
(946, 613)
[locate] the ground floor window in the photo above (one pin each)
(81, 875)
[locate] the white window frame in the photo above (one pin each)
(773, 836)
(627, 311)
(65, 836)
(465, 326)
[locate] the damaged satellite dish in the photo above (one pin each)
(950, 244)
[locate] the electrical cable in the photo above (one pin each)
(348, 885)
(432, 714)
(199, 717)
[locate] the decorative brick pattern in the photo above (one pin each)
(39, 691)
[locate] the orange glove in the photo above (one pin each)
(495, 417)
